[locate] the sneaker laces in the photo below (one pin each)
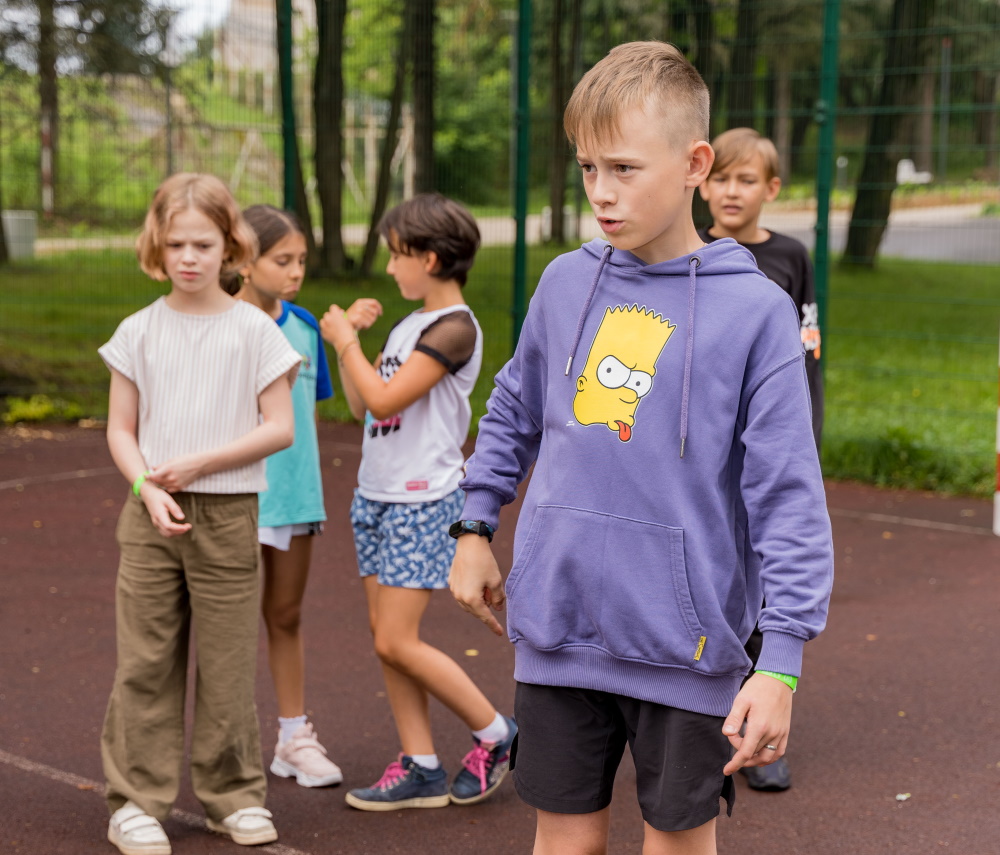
(476, 762)
(393, 772)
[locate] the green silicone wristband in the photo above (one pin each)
(791, 682)
(138, 482)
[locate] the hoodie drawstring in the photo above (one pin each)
(586, 306)
(693, 264)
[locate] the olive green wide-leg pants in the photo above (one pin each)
(206, 580)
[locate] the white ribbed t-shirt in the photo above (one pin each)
(198, 378)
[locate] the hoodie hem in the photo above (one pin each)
(596, 669)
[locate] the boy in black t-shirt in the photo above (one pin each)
(744, 177)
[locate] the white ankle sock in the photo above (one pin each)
(288, 726)
(496, 731)
(428, 761)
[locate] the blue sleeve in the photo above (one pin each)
(324, 385)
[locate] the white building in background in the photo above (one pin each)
(245, 40)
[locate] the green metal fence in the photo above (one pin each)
(885, 114)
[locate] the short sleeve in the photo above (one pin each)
(118, 352)
(324, 384)
(451, 340)
(277, 356)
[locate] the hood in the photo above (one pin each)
(719, 258)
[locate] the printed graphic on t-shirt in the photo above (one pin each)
(620, 368)
(307, 370)
(810, 329)
(383, 427)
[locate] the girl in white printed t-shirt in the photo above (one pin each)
(200, 395)
(415, 403)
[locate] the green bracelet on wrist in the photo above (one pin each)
(138, 482)
(791, 682)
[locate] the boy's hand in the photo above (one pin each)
(336, 327)
(163, 510)
(364, 312)
(475, 580)
(765, 705)
(174, 475)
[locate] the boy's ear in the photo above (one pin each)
(703, 189)
(773, 186)
(701, 156)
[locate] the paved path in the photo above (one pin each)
(952, 233)
(893, 745)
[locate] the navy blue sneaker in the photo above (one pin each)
(774, 778)
(485, 768)
(404, 784)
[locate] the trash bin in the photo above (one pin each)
(20, 228)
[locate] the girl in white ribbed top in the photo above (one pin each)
(200, 395)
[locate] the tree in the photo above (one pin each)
(99, 36)
(283, 26)
(740, 101)
(389, 144)
(907, 48)
(423, 94)
(328, 107)
(561, 68)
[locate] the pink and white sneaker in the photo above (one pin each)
(303, 758)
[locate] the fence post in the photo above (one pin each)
(826, 110)
(289, 143)
(522, 118)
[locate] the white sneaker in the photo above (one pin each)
(135, 832)
(303, 758)
(248, 826)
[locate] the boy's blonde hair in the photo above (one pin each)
(739, 145)
(629, 77)
(207, 195)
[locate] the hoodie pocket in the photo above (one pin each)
(608, 581)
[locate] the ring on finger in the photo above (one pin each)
(771, 747)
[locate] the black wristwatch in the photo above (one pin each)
(457, 529)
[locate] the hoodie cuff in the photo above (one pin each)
(781, 652)
(482, 505)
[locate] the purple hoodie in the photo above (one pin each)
(676, 481)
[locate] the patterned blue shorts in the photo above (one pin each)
(406, 544)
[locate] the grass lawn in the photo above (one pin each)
(910, 352)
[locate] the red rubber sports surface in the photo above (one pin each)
(893, 747)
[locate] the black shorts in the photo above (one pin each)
(570, 742)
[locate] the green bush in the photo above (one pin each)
(41, 408)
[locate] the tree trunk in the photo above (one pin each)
(389, 146)
(906, 54)
(740, 106)
(301, 200)
(423, 94)
(557, 146)
(328, 107)
(984, 86)
(782, 119)
(925, 124)
(48, 103)
(4, 255)
(704, 28)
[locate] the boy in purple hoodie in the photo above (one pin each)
(659, 389)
